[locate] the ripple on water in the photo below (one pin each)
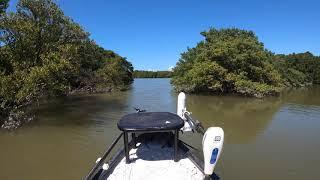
(303, 111)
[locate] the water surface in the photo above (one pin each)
(273, 138)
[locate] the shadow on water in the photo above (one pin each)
(82, 110)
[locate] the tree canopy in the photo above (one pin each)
(227, 61)
(298, 69)
(235, 61)
(3, 6)
(44, 53)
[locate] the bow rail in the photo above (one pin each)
(102, 159)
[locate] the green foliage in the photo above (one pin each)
(3, 6)
(43, 53)
(101, 69)
(203, 76)
(298, 69)
(227, 61)
(152, 74)
(115, 72)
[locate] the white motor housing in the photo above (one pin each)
(181, 109)
(212, 144)
(181, 105)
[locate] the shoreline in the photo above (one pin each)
(25, 114)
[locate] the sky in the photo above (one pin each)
(153, 33)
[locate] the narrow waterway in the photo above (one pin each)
(273, 138)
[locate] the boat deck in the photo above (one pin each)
(153, 159)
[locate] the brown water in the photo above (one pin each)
(274, 138)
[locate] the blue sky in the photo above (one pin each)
(153, 33)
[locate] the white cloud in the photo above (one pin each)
(170, 68)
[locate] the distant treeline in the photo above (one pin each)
(152, 74)
(44, 54)
(298, 69)
(235, 61)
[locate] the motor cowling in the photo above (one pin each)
(181, 109)
(212, 144)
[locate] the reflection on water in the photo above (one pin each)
(273, 138)
(241, 118)
(153, 95)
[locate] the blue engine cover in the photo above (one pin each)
(214, 155)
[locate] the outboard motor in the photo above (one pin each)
(213, 138)
(181, 109)
(212, 143)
